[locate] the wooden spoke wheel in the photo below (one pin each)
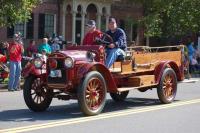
(92, 94)
(36, 95)
(167, 87)
(119, 96)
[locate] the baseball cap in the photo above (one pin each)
(91, 23)
(112, 20)
(16, 37)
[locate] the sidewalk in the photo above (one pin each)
(4, 86)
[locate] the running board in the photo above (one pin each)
(132, 88)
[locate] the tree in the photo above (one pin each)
(15, 11)
(170, 17)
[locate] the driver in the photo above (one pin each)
(119, 45)
(92, 33)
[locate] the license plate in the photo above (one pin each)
(55, 73)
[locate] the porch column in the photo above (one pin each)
(73, 27)
(107, 21)
(82, 25)
(99, 20)
(35, 25)
(64, 21)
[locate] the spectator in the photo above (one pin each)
(3, 48)
(191, 54)
(186, 62)
(92, 33)
(197, 54)
(191, 50)
(31, 48)
(15, 51)
(195, 67)
(61, 41)
(119, 45)
(55, 46)
(20, 39)
(51, 38)
(45, 46)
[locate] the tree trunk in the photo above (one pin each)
(147, 41)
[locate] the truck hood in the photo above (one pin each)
(75, 54)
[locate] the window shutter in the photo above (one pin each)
(41, 25)
(10, 32)
(30, 27)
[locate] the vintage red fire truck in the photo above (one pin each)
(79, 73)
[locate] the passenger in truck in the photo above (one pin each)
(92, 33)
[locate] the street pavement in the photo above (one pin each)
(140, 113)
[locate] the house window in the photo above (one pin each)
(15, 29)
(19, 28)
(46, 25)
(26, 29)
(49, 24)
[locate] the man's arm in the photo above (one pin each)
(121, 40)
(22, 48)
(85, 40)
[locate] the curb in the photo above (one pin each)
(5, 86)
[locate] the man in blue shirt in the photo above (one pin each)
(119, 45)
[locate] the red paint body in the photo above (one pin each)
(82, 66)
(79, 73)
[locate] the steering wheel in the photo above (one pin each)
(105, 39)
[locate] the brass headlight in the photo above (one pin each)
(69, 62)
(38, 63)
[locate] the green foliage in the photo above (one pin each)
(170, 17)
(15, 11)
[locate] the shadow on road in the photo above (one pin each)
(72, 110)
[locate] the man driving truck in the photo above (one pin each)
(119, 45)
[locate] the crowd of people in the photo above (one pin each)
(115, 49)
(15, 49)
(192, 55)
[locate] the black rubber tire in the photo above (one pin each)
(32, 105)
(119, 96)
(82, 94)
(161, 92)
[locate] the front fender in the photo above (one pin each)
(31, 70)
(161, 67)
(86, 68)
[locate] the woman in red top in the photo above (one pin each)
(92, 34)
(31, 48)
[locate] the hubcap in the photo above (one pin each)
(38, 91)
(168, 86)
